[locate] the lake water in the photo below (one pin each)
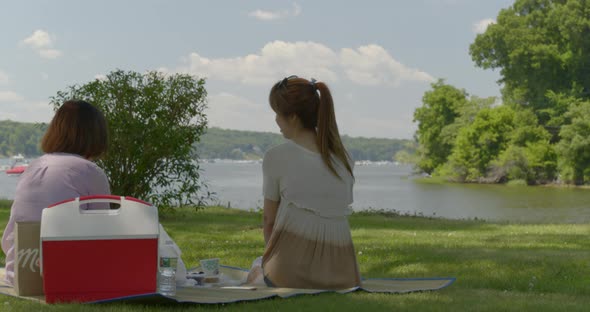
(390, 187)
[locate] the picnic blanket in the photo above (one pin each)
(230, 294)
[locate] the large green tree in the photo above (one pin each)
(440, 107)
(479, 143)
(574, 147)
(500, 144)
(154, 119)
(540, 46)
(542, 49)
(529, 156)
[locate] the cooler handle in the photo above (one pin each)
(78, 201)
(113, 197)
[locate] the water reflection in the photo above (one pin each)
(388, 187)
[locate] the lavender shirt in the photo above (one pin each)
(48, 180)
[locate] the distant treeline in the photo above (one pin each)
(23, 138)
(234, 144)
(20, 138)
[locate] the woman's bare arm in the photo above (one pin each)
(270, 212)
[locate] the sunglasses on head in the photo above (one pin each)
(283, 83)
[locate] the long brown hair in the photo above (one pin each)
(77, 128)
(311, 101)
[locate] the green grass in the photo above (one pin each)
(498, 266)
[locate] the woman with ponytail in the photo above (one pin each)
(307, 186)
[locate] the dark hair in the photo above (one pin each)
(312, 103)
(77, 128)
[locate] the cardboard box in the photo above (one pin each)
(91, 255)
(27, 271)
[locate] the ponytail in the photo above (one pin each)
(312, 102)
(328, 136)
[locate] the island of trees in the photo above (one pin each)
(539, 131)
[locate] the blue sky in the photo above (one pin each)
(378, 57)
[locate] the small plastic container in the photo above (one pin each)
(198, 277)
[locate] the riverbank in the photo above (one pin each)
(499, 267)
(441, 180)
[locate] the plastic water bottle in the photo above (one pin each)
(167, 276)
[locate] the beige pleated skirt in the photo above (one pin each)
(307, 250)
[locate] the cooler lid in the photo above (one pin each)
(68, 220)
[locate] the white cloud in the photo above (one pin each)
(163, 70)
(264, 15)
(4, 79)
(380, 126)
(7, 116)
(10, 96)
(226, 110)
(373, 65)
(296, 9)
(26, 111)
(49, 53)
(39, 39)
(481, 26)
(42, 42)
(15, 107)
(366, 65)
(276, 59)
(354, 74)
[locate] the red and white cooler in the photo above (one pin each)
(89, 255)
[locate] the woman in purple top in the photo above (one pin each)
(76, 136)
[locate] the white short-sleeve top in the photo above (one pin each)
(297, 176)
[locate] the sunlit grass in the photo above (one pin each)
(498, 266)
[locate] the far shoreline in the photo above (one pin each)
(514, 183)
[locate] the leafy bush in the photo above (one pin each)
(154, 120)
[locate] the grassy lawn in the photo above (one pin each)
(498, 266)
